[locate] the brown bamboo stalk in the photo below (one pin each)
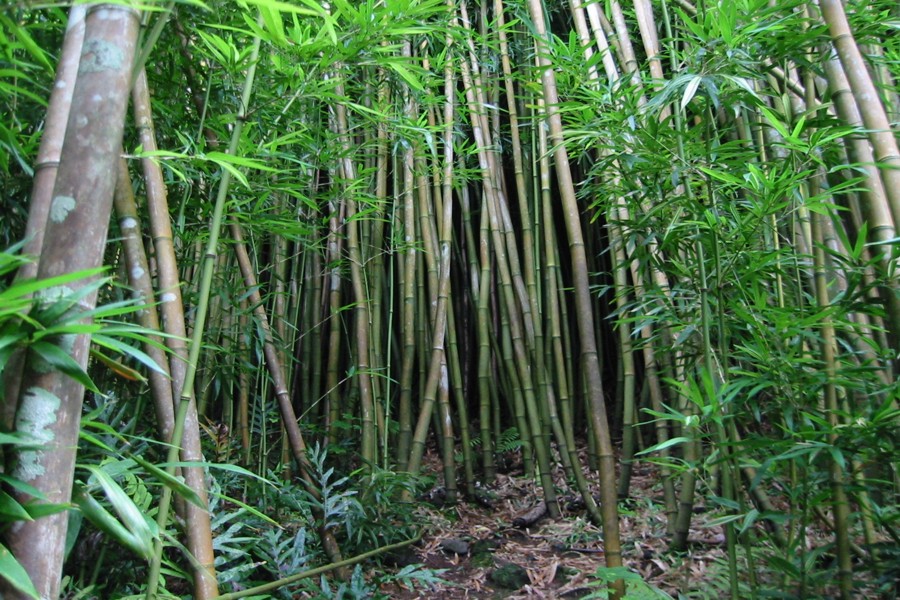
(282, 393)
(597, 21)
(835, 244)
(564, 422)
(629, 60)
(520, 328)
(840, 501)
(243, 386)
(877, 209)
(626, 356)
(199, 533)
(332, 376)
(46, 163)
(369, 440)
(875, 206)
(375, 260)
(138, 271)
(310, 363)
(408, 259)
(445, 237)
(45, 168)
(482, 285)
(531, 303)
(590, 364)
(436, 239)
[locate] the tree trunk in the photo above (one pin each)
(75, 238)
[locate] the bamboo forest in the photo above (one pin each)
(449, 299)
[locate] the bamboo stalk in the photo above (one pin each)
(590, 364)
(867, 98)
(46, 163)
(369, 440)
(840, 501)
(185, 412)
(49, 401)
(285, 406)
(409, 258)
(517, 312)
(142, 290)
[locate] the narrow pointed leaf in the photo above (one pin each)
(171, 481)
(12, 571)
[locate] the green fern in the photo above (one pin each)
(509, 441)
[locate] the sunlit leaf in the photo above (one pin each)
(689, 91)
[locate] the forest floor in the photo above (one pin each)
(485, 555)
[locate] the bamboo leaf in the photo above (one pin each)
(92, 439)
(128, 350)
(236, 173)
(118, 368)
(220, 466)
(723, 176)
(239, 161)
(249, 509)
(690, 90)
(407, 76)
(719, 521)
(15, 439)
(30, 287)
(106, 522)
(313, 9)
(21, 486)
(8, 343)
(33, 48)
(55, 356)
(775, 122)
(15, 574)
(220, 50)
(798, 128)
(135, 530)
(171, 481)
(11, 510)
(663, 445)
(749, 520)
(43, 509)
(274, 24)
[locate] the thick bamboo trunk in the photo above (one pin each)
(867, 98)
(50, 402)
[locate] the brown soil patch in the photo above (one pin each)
(559, 556)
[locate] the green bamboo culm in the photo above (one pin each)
(206, 276)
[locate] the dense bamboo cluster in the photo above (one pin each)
(656, 230)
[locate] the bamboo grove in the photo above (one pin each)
(662, 231)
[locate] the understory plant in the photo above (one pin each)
(264, 531)
(36, 320)
(414, 232)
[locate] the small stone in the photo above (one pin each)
(455, 546)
